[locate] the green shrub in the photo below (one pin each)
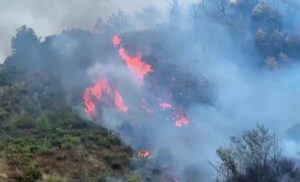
(134, 178)
(31, 174)
(52, 179)
(68, 141)
(43, 123)
(23, 122)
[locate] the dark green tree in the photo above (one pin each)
(255, 157)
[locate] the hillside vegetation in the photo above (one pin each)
(44, 138)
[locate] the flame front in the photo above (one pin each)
(94, 94)
(144, 154)
(89, 105)
(165, 105)
(152, 105)
(180, 117)
(116, 40)
(119, 102)
(134, 63)
(182, 121)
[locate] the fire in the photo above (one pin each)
(89, 106)
(179, 117)
(144, 154)
(145, 106)
(119, 102)
(94, 94)
(181, 120)
(102, 89)
(134, 63)
(165, 105)
(116, 40)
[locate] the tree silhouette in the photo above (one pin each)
(255, 157)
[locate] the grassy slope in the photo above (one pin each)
(42, 137)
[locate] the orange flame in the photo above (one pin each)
(89, 106)
(180, 117)
(181, 120)
(165, 105)
(144, 154)
(134, 63)
(116, 40)
(119, 102)
(94, 94)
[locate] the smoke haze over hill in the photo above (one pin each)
(52, 17)
(177, 88)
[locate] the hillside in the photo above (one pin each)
(44, 137)
(155, 103)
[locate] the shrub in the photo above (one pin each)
(255, 156)
(134, 178)
(31, 174)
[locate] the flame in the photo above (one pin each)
(101, 87)
(165, 105)
(94, 94)
(134, 63)
(116, 40)
(89, 106)
(144, 154)
(119, 102)
(181, 119)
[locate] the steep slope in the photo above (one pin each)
(44, 137)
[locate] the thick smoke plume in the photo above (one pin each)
(177, 91)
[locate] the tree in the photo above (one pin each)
(222, 6)
(24, 39)
(116, 23)
(174, 12)
(25, 45)
(255, 157)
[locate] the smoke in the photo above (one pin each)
(207, 67)
(244, 93)
(48, 18)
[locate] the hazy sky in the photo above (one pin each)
(49, 17)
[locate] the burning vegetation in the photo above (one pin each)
(154, 105)
(94, 95)
(134, 63)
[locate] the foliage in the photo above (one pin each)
(255, 157)
(52, 179)
(31, 174)
(116, 23)
(24, 38)
(41, 133)
(134, 178)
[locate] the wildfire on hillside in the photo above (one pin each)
(102, 88)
